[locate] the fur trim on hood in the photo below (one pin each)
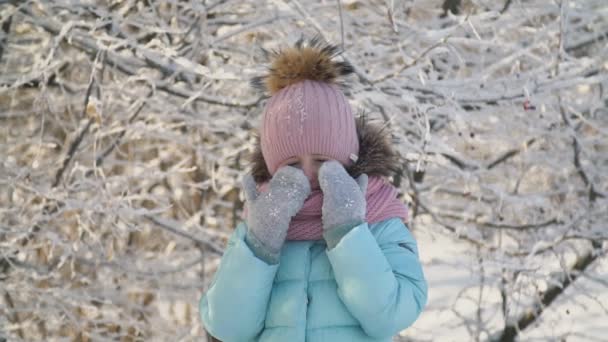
(376, 155)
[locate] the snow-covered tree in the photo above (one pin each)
(126, 125)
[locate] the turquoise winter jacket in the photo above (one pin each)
(368, 287)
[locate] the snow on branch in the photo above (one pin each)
(126, 126)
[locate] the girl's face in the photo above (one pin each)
(309, 164)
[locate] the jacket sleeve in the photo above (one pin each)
(379, 276)
(234, 307)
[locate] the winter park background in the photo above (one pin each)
(125, 127)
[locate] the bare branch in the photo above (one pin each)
(566, 279)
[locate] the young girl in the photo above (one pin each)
(323, 254)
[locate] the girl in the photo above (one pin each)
(323, 254)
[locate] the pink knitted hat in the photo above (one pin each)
(307, 112)
(308, 117)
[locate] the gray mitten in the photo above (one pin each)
(269, 213)
(344, 204)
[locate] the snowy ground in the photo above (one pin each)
(580, 314)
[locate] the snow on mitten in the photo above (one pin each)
(344, 205)
(269, 213)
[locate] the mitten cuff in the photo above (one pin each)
(334, 235)
(260, 250)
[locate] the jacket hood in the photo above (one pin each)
(376, 155)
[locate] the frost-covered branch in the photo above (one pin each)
(125, 129)
(547, 297)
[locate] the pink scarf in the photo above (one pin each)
(382, 204)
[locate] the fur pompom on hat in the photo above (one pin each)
(305, 61)
(307, 112)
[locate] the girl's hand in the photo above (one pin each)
(343, 198)
(269, 213)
